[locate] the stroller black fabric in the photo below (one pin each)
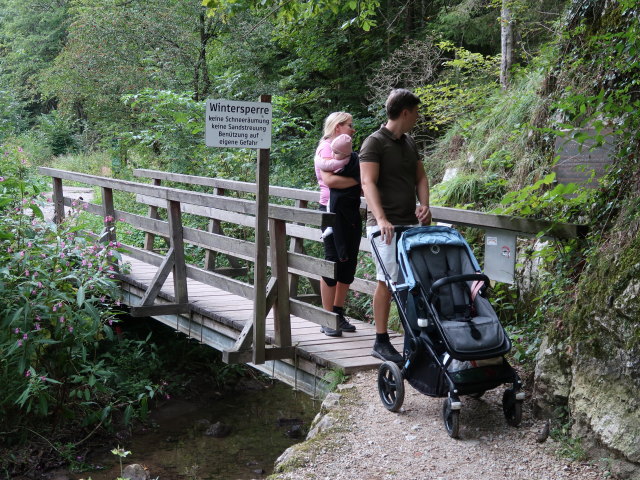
(468, 324)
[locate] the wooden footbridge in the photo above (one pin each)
(271, 323)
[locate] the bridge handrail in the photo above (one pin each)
(469, 218)
(280, 212)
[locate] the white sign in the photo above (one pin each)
(500, 255)
(238, 124)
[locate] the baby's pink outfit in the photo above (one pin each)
(340, 150)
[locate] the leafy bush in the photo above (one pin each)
(59, 132)
(57, 295)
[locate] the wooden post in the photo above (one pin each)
(153, 213)
(297, 246)
(177, 246)
(214, 227)
(109, 213)
(58, 201)
(279, 270)
(260, 261)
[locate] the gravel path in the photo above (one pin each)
(368, 442)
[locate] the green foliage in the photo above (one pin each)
(468, 190)
(463, 86)
(170, 125)
(116, 48)
(468, 24)
(57, 292)
(32, 33)
(334, 378)
(12, 115)
(568, 447)
(58, 131)
(295, 12)
(544, 200)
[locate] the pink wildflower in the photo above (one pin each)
(27, 373)
(70, 329)
(17, 331)
(37, 326)
(19, 343)
(61, 319)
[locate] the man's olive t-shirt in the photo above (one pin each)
(397, 159)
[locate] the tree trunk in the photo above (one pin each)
(200, 90)
(506, 36)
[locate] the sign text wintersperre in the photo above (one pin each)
(238, 124)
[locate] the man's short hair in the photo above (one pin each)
(398, 100)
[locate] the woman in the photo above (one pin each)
(342, 243)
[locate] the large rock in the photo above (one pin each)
(552, 380)
(591, 360)
(135, 472)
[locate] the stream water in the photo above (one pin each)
(264, 421)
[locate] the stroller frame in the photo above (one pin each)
(429, 351)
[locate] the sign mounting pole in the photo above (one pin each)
(260, 265)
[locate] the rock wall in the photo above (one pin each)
(590, 363)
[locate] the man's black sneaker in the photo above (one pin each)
(330, 332)
(386, 351)
(344, 324)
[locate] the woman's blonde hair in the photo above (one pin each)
(333, 120)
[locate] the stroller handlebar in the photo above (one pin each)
(467, 277)
(396, 229)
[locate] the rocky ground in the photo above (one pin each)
(355, 437)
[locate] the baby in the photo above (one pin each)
(341, 148)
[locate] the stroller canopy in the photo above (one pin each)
(425, 236)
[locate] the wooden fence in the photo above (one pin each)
(289, 226)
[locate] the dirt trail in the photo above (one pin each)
(369, 442)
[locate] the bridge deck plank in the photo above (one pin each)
(229, 312)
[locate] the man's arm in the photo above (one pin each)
(422, 191)
(332, 180)
(369, 172)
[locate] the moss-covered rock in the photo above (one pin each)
(592, 361)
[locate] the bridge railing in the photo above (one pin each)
(296, 224)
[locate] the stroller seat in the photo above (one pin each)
(468, 323)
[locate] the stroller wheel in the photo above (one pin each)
(451, 418)
(391, 386)
(512, 408)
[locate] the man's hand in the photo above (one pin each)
(424, 215)
(386, 231)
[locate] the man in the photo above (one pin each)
(392, 178)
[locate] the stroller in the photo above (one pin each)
(454, 344)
